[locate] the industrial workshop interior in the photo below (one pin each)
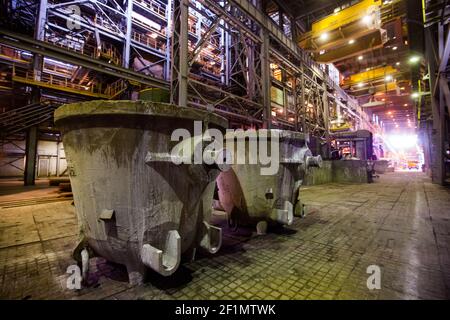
(224, 150)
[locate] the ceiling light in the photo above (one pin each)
(360, 85)
(394, 48)
(367, 19)
(405, 105)
(351, 41)
(414, 59)
(388, 78)
(397, 64)
(360, 57)
(415, 95)
(324, 36)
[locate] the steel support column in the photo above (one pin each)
(326, 118)
(265, 79)
(30, 156)
(169, 18)
(32, 133)
(41, 20)
(127, 43)
(179, 84)
(302, 101)
(437, 138)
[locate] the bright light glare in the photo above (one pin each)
(351, 41)
(367, 19)
(414, 59)
(324, 36)
(400, 142)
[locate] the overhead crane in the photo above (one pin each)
(346, 32)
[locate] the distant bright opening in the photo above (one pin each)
(402, 142)
(405, 152)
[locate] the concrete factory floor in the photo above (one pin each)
(399, 223)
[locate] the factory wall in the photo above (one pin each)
(50, 159)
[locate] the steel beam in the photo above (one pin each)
(266, 79)
(444, 52)
(127, 43)
(443, 86)
(43, 48)
(180, 66)
(437, 139)
(169, 31)
(30, 156)
(41, 19)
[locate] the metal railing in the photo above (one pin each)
(30, 77)
(154, 6)
(148, 41)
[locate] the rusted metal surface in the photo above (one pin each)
(250, 197)
(136, 207)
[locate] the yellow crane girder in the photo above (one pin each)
(340, 27)
(370, 76)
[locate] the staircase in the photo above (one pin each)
(20, 119)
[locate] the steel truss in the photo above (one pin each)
(238, 84)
